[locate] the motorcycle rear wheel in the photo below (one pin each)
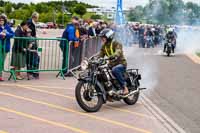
(81, 100)
(131, 100)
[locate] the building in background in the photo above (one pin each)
(109, 13)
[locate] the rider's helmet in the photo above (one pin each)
(107, 33)
(170, 30)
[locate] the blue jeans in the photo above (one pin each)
(118, 71)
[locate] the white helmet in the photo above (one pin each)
(108, 33)
(170, 30)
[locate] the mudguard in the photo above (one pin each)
(100, 88)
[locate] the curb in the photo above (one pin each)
(194, 58)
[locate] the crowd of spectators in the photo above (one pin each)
(76, 32)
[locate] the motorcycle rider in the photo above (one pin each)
(149, 37)
(171, 35)
(113, 50)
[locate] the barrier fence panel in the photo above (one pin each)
(91, 47)
(35, 55)
(86, 49)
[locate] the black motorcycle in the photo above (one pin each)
(169, 47)
(97, 85)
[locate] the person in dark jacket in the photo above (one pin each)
(5, 34)
(18, 59)
(92, 30)
(32, 26)
(32, 23)
(69, 34)
(141, 37)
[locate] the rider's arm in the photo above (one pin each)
(102, 52)
(118, 50)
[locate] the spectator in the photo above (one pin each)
(32, 26)
(92, 30)
(5, 34)
(32, 23)
(18, 59)
(32, 56)
(141, 37)
(70, 34)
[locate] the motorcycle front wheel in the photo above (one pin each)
(87, 97)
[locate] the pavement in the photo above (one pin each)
(48, 105)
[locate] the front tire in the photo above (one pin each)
(132, 99)
(81, 100)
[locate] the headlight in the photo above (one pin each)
(84, 65)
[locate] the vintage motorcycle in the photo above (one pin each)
(169, 47)
(97, 85)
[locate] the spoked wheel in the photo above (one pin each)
(87, 97)
(131, 100)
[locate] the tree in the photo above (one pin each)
(42, 8)
(136, 14)
(22, 14)
(8, 8)
(60, 18)
(95, 17)
(80, 9)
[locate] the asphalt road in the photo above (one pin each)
(48, 106)
(173, 83)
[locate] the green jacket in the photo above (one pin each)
(114, 49)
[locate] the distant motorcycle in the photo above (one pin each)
(169, 47)
(97, 85)
(149, 42)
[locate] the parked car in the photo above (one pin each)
(41, 25)
(51, 25)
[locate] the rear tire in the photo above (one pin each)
(133, 100)
(168, 54)
(81, 102)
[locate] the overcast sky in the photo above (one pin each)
(107, 3)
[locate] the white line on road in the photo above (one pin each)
(167, 122)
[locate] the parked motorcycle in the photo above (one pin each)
(97, 85)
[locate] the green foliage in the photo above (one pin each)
(60, 18)
(95, 17)
(136, 14)
(42, 8)
(49, 11)
(80, 9)
(21, 14)
(198, 53)
(1, 9)
(166, 12)
(8, 8)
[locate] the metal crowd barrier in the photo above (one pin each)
(86, 49)
(34, 55)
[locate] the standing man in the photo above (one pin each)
(32, 26)
(32, 23)
(141, 37)
(92, 30)
(71, 33)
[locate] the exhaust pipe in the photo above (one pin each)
(142, 89)
(134, 92)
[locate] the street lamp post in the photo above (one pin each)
(63, 12)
